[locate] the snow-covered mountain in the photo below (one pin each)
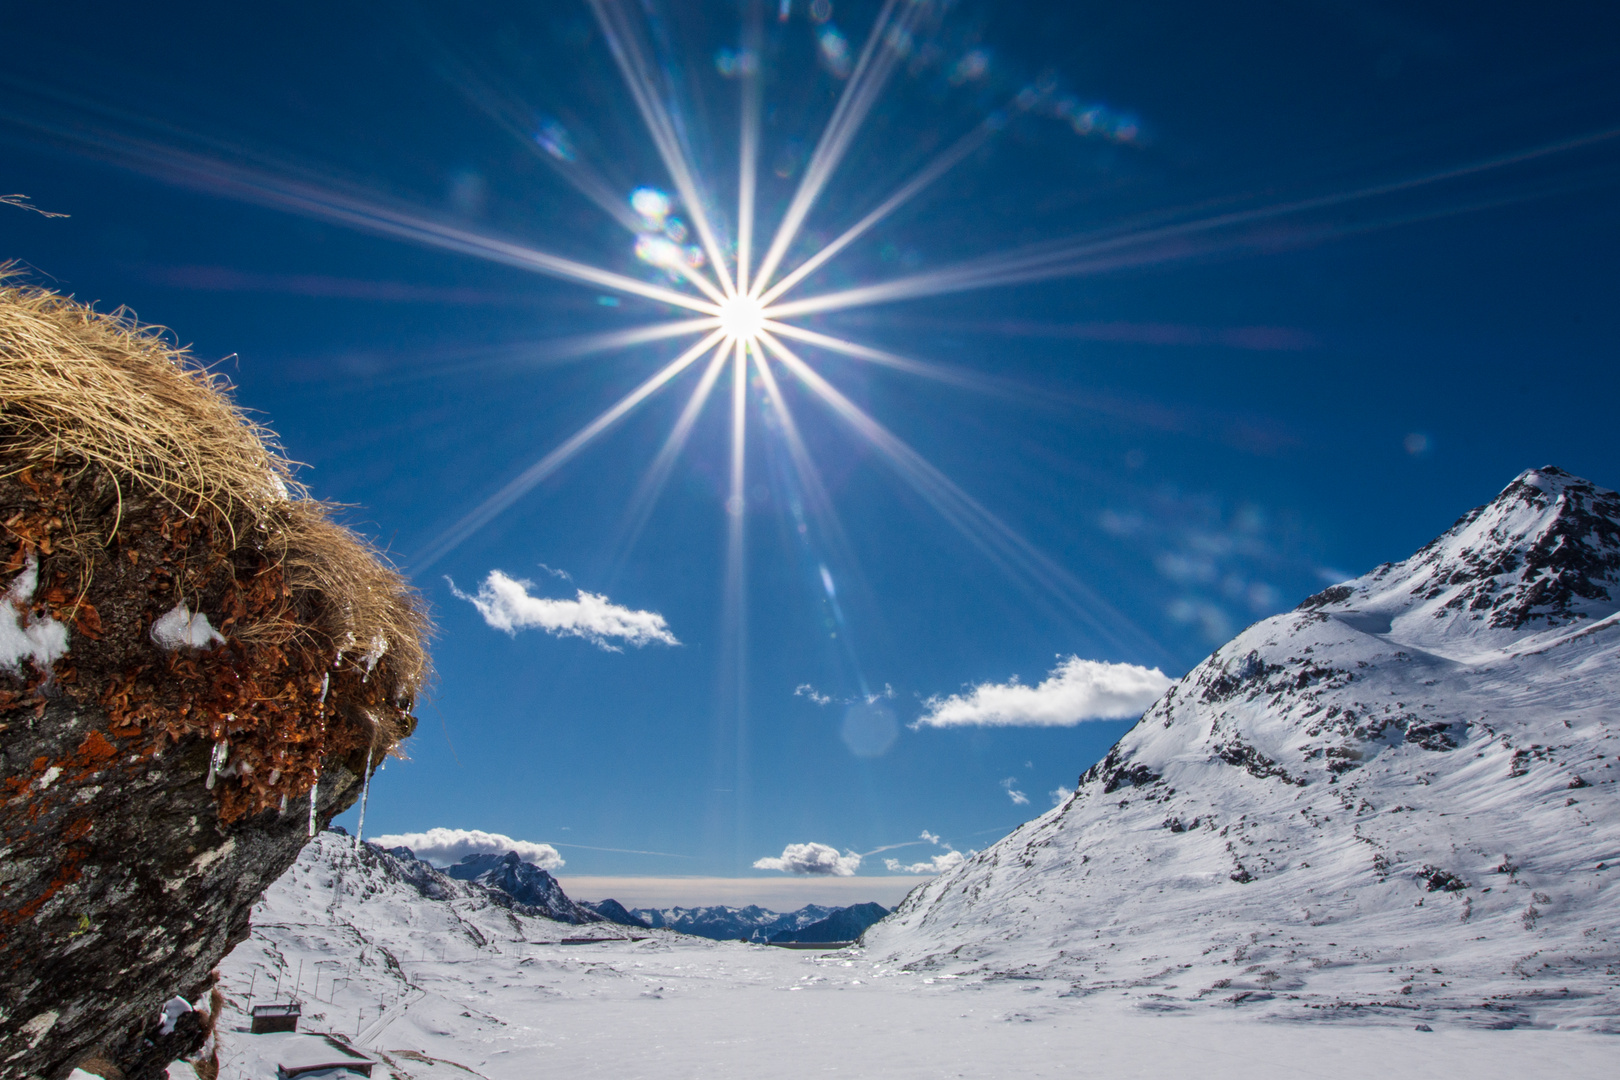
(721, 923)
(613, 911)
(535, 891)
(1399, 797)
(844, 924)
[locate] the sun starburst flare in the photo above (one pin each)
(743, 310)
(743, 298)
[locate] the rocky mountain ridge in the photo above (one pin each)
(1400, 797)
(718, 922)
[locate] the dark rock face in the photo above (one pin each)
(614, 912)
(1512, 576)
(846, 924)
(533, 891)
(120, 888)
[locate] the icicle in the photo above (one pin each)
(326, 684)
(283, 802)
(365, 793)
(314, 791)
(216, 761)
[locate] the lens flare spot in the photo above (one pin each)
(869, 729)
(652, 206)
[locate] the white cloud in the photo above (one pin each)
(1010, 786)
(1060, 795)
(806, 690)
(949, 860)
(932, 838)
(812, 858)
(1076, 690)
(445, 846)
(505, 604)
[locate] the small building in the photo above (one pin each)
(269, 1018)
(309, 1058)
(335, 1069)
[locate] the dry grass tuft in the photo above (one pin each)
(75, 383)
(125, 440)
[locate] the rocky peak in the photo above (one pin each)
(534, 890)
(1544, 555)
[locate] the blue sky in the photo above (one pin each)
(1336, 272)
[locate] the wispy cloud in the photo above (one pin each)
(805, 690)
(445, 846)
(1075, 691)
(808, 691)
(949, 860)
(1010, 786)
(506, 604)
(1060, 795)
(816, 859)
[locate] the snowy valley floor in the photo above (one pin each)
(657, 1009)
(454, 988)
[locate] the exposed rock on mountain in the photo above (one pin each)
(197, 666)
(1401, 796)
(534, 891)
(846, 924)
(721, 923)
(613, 912)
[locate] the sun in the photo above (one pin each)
(742, 317)
(744, 296)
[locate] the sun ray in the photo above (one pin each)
(523, 356)
(954, 376)
(860, 94)
(996, 540)
(360, 211)
(821, 505)
(525, 481)
(748, 142)
(925, 176)
(512, 117)
(636, 69)
(657, 474)
(1083, 255)
(736, 580)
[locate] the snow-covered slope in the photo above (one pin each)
(437, 980)
(1400, 797)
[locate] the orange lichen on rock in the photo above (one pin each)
(137, 488)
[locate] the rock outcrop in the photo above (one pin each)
(197, 669)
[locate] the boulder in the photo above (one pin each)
(198, 669)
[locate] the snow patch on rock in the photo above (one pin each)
(178, 629)
(41, 640)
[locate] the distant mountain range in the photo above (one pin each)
(721, 923)
(845, 924)
(529, 890)
(1401, 797)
